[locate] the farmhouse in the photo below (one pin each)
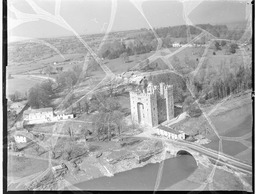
(20, 139)
(170, 133)
(38, 115)
(176, 44)
(43, 115)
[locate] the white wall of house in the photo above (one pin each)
(176, 45)
(41, 115)
(45, 117)
(20, 139)
(64, 117)
(170, 135)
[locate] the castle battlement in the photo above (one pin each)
(141, 94)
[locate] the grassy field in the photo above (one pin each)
(118, 66)
(19, 84)
(21, 166)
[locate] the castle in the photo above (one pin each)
(152, 105)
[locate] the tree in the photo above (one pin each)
(188, 101)
(223, 43)
(47, 87)
(86, 107)
(194, 110)
(233, 47)
(108, 118)
(125, 57)
(38, 97)
(217, 46)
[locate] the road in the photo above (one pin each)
(229, 160)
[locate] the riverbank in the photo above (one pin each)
(139, 153)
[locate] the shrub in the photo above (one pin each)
(201, 100)
(233, 48)
(194, 111)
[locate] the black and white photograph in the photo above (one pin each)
(129, 95)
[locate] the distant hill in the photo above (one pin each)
(235, 25)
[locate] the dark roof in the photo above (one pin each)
(168, 129)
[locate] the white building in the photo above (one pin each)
(176, 44)
(41, 115)
(64, 117)
(20, 139)
(170, 133)
(44, 115)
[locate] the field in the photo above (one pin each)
(118, 66)
(21, 166)
(233, 122)
(19, 84)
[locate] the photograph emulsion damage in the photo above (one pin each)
(129, 95)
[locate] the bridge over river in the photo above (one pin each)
(181, 146)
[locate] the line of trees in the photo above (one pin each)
(116, 49)
(222, 86)
(145, 41)
(40, 95)
(68, 79)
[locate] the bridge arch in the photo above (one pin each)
(183, 152)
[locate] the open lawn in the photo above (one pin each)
(232, 147)
(234, 123)
(118, 66)
(245, 155)
(19, 84)
(21, 166)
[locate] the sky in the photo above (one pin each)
(93, 16)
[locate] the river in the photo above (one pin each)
(145, 178)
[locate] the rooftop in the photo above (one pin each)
(168, 129)
(48, 109)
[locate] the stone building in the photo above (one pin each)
(44, 115)
(38, 115)
(152, 105)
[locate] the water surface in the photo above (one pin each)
(145, 178)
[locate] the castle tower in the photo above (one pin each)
(168, 93)
(144, 108)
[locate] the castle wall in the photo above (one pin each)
(161, 108)
(144, 108)
(152, 106)
(169, 102)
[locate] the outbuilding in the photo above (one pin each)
(170, 133)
